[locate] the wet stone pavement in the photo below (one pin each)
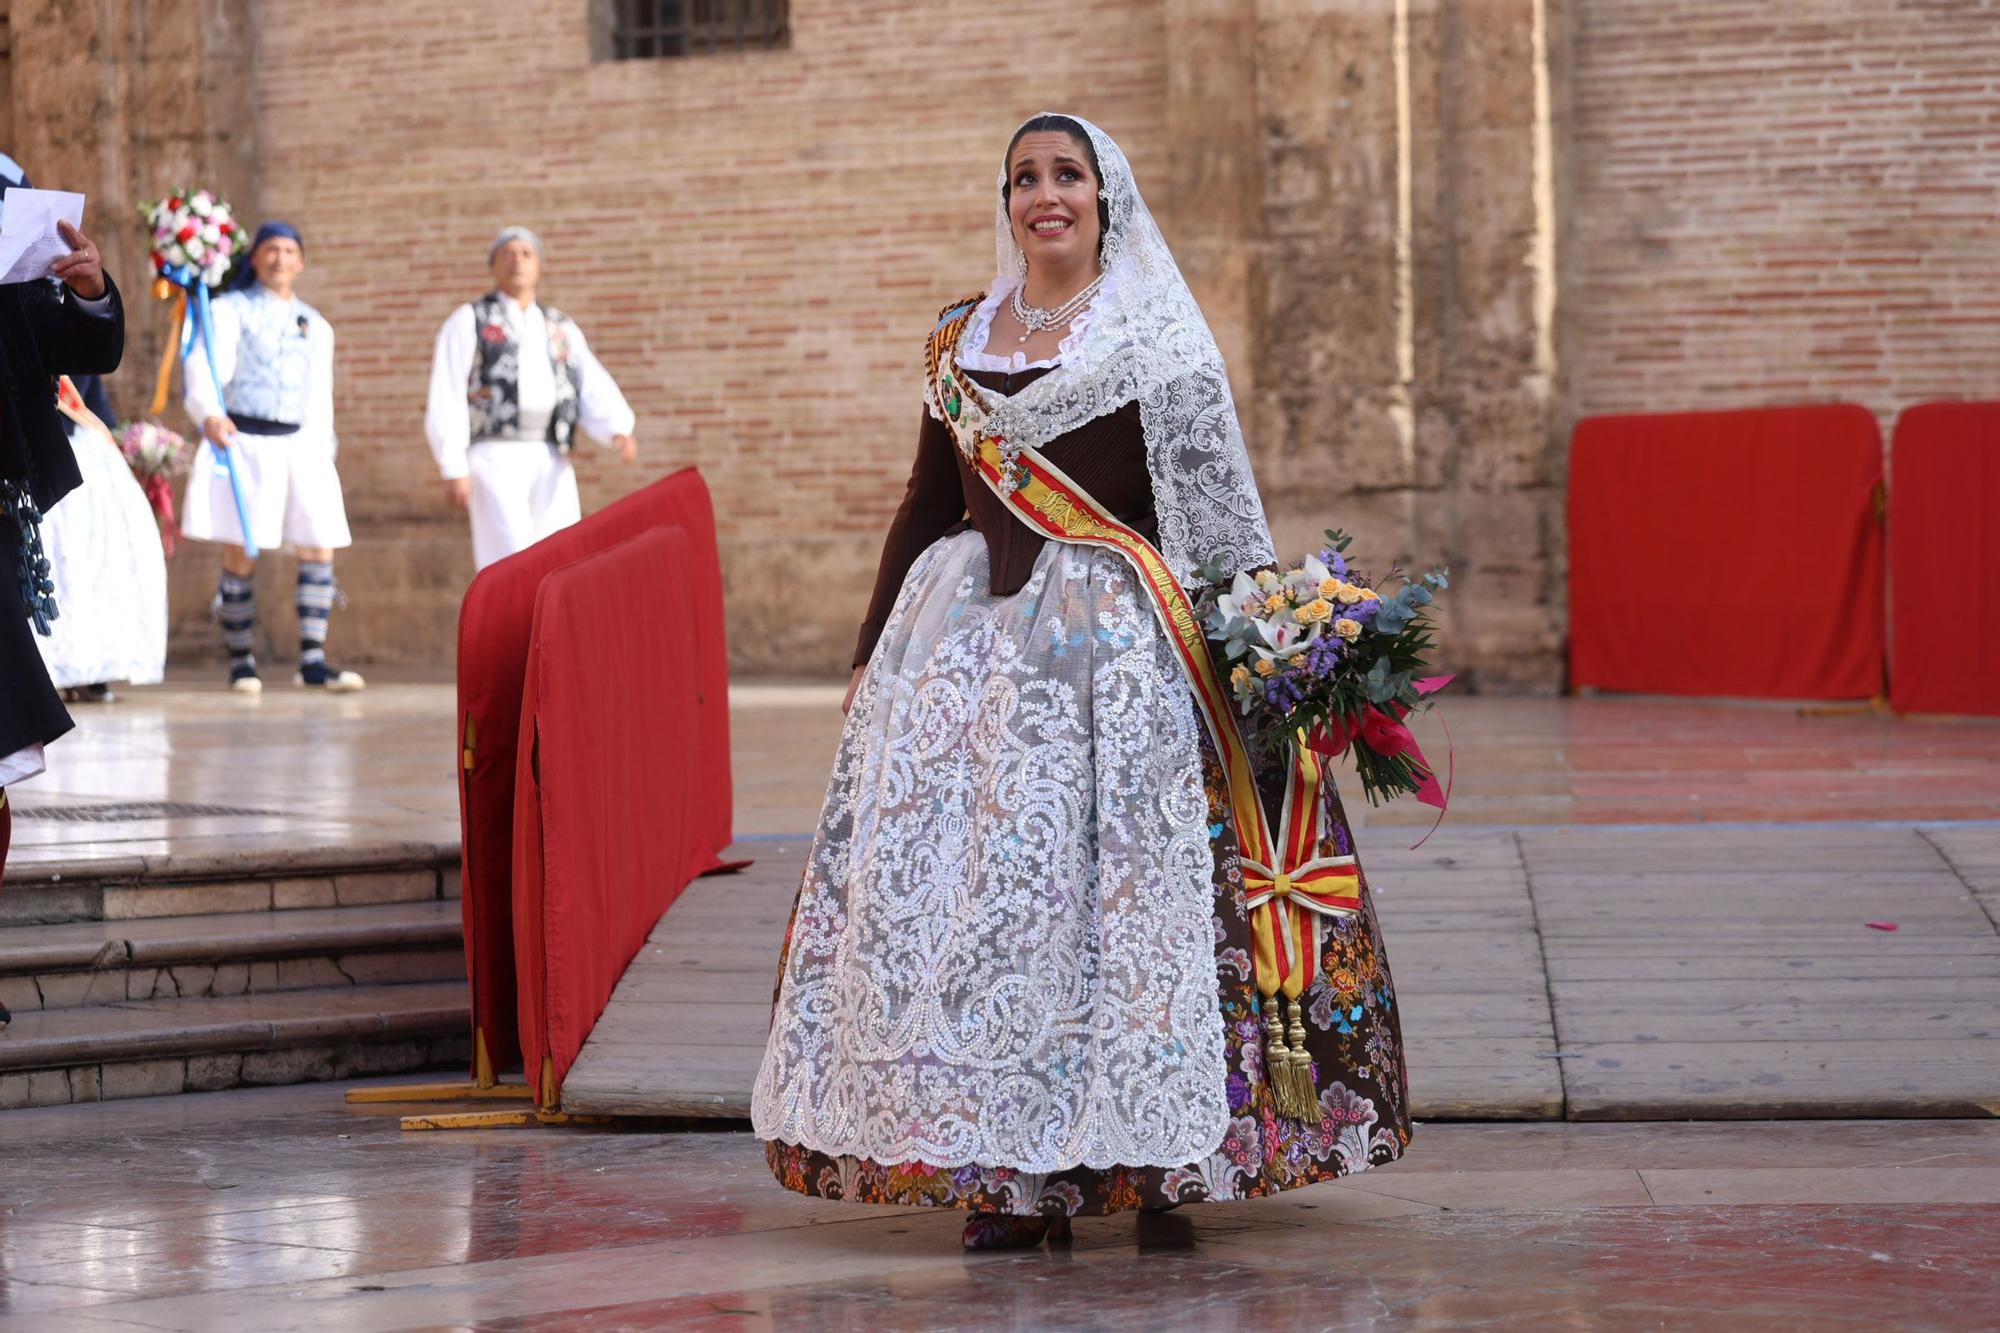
(286, 1209)
(1673, 872)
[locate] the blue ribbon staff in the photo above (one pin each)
(200, 324)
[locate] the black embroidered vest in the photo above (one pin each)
(494, 391)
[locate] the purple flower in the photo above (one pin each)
(1239, 1093)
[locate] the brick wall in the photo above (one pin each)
(1429, 234)
(753, 243)
(1783, 202)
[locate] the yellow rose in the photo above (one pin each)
(1266, 579)
(1315, 611)
(1364, 594)
(1330, 587)
(1240, 676)
(1349, 594)
(1347, 629)
(1265, 666)
(1274, 603)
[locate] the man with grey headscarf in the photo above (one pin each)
(511, 381)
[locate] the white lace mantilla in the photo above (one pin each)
(1146, 341)
(1003, 952)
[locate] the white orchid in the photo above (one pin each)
(1308, 577)
(1282, 637)
(1245, 597)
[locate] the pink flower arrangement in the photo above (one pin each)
(156, 456)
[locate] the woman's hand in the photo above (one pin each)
(221, 431)
(853, 684)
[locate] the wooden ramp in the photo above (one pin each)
(685, 1029)
(1699, 972)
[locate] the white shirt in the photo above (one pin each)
(601, 410)
(199, 397)
(21, 765)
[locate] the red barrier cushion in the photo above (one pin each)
(493, 627)
(1944, 559)
(606, 802)
(1728, 553)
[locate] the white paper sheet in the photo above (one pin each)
(29, 242)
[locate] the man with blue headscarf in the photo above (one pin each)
(274, 418)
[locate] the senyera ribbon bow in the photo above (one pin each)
(1288, 904)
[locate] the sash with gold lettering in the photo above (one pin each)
(1289, 889)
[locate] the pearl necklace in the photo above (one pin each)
(1034, 319)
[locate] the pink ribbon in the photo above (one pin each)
(1388, 737)
(161, 496)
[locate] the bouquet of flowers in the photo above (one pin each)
(157, 456)
(193, 235)
(1318, 649)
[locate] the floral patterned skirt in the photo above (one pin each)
(1246, 1148)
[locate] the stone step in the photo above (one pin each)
(189, 957)
(144, 1048)
(249, 877)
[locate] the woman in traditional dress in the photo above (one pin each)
(1018, 979)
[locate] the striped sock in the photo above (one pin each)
(236, 608)
(315, 605)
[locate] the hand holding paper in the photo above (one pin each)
(83, 267)
(33, 239)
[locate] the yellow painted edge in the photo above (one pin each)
(443, 1092)
(482, 1063)
(499, 1119)
(470, 1120)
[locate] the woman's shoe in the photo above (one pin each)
(992, 1231)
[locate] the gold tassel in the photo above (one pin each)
(1305, 1096)
(1288, 1064)
(1277, 1059)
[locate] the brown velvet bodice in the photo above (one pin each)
(1106, 457)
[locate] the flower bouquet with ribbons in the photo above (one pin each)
(1318, 655)
(157, 456)
(1319, 662)
(195, 238)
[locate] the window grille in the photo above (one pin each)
(659, 29)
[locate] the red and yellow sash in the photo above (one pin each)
(1289, 888)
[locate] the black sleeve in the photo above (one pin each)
(933, 501)
(73, 341)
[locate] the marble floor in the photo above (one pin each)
(284, 1209)
(376, 768)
